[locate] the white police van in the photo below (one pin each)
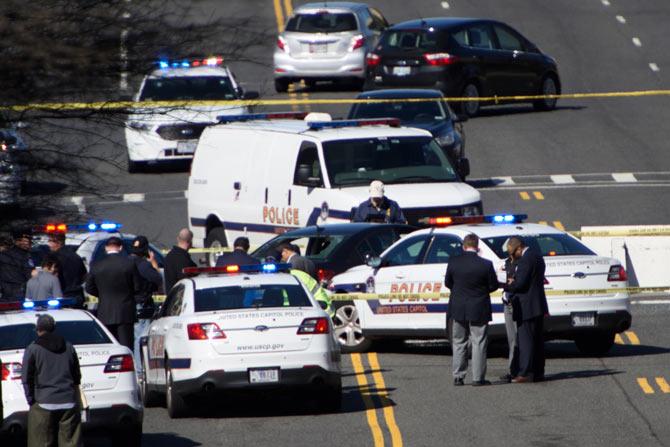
(261, 175)
(171, 132)
(240, 328)
(108, 377)
(418, 263)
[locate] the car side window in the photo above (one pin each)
(508, 40)
(479, 36)
(308, 166)
(442, 248)
(175, 307)
(407, 252)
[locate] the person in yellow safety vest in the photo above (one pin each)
(315, 288)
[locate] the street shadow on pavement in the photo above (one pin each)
(582, 374)
(520, 109)
(148, 440)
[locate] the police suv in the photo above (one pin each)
(171, 132)
(108, 377)
(261, 175)
(239, 328)
(418, 262)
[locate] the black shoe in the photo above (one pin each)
(481, 383)
(507, 378)
(458, 381)
(539, 378)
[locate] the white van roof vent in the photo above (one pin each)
(318, 116)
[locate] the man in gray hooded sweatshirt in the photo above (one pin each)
(51, 378)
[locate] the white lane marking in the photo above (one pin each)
(134, 197)
(562, 179)
(605, 2)
(624, 177)
(504, 180)
(445, 5)
(637, 42)
(654, 67)
(621, 19)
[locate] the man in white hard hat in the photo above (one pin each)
(378, 208)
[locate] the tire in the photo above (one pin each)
(175, 404)
(281, 85)
(130, 437)
(149, 398)
(470, 108)
(358, 84)
(134, 166)
(216, 238)
(330, 399)
(595, 343)
(347, 327)
(547, 87)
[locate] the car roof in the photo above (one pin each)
(436, 22)
(493, 230)
(236, 279)
(330, 6)
(188, 72)
(338, 228)
(401, 93)
(13, 317)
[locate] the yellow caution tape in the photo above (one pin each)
(651, 231)
(121, 105)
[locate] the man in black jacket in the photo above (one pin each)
(530, 304)
(510, 324)
(290, 254)
(471, 279)
(16, 267)
(115, 280)
(178, 258)
(71, 269)
(239, 254)
(51, 378)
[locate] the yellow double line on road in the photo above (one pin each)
(368, 392)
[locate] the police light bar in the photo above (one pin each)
(318, 125)
(233, 268)
(213, 61)
(224, 119)
(91, 226)
(52, 303)
(459, 220)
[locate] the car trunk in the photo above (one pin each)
(318, 46)
(92, 361)
(578, 272)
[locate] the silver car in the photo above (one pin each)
(11, 171)
(327, 42)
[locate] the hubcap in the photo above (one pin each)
(549, 88)
(348, 326)
(471, 107)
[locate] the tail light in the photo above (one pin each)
(617, 273)
(120, 364)
(204, 331)
(325, 275)
(11, 371)
(440, 58)
(281, 44)
(373, 60)
(357, 42)
(314, 326)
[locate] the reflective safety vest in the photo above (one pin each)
(315, 289)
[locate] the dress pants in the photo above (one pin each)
(477, 334)
(124, 333)
(51, 428)
(510, 329)
(531, 347)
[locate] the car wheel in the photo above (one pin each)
(176, 407)
(130, 437)
(548, 87)
(330, 399)
(149, 398)
(216, 238)
(470, 108)
(134, 166)
(358, 84)
(597, 343)
(281, 85)
(347, 327)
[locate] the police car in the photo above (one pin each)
(171, 132)
(107, 369)
(239, 328)
(417, 264)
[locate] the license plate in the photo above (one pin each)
(318, 48)
(402, 71)
(186, 147)
(266, 375)
(583, 319)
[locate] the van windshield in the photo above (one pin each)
(389, 159)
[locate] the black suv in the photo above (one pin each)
(463, 58)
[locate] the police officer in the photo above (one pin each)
(71, 269)
(16, 267)
(378, 208)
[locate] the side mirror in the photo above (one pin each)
(374, 261)
(146, 313)
(464, 167)
(251, 95)
(305, 176)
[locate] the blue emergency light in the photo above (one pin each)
(505, 218)
(319, 125)
(224, 119)
(212, 61)
(234, 268)
(52, 303)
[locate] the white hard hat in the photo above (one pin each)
(376, 189)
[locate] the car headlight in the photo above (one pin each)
(139, 126)
(471, 210)
(446, 139)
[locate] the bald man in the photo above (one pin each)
(178, 259)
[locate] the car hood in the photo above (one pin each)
(436, 128)
(420, 195)
(355, 275)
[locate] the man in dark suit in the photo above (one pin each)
(510, 324)
(291, 254)
(178, 259)
(471, 279)
(115, 280)
(239, 254)
(530, 307)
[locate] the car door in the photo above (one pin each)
(442, 247)
(518, 76)
(157, 334)
(306, 191)
(401, 267)
(483, 53)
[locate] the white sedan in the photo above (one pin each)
(417, 263)
(237, 328)
(107, 370)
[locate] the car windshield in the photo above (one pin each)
(389, 159)
(254, 297)
(316, 247)
(410, 40)
(322, 22)
(406, 112)
(18, 336)
(553, 244)
(188, 87)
